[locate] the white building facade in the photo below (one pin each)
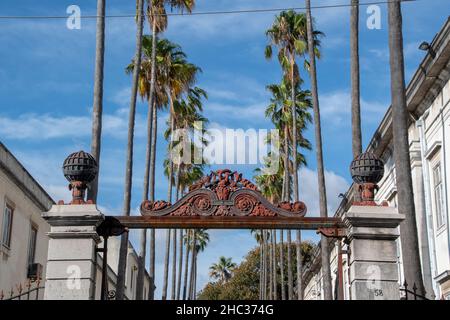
(24, 240)
(428, 103)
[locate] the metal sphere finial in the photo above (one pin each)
(366, 171)
(79, 168)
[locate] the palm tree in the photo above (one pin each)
(180, 264)
(181, 76)
(259, 237)
(266, 264)
(98, 95)
(325, 254)
(187, 241)
(167, 52)
(275, 269)
(120, 289)
(189, 175)
(289, 266)
(298, 247)
(222, 270)
(271, 187)
(279, 111)
(158, 20)
(199, 239)
(184, 115)
(270, 184)
(166, 265)
(354, 52)
(408, 228)
(283, 291)
(288, 33)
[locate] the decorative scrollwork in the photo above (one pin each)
(112, 295)
(223, 193)
(262, 211)
(155, 205)
(245, 203)
(223, 211)
(296, 207)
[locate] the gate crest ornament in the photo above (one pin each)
(223, 193)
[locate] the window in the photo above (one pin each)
(7, 225)
(438, 195)
(32, 244)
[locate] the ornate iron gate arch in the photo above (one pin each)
(225, 200)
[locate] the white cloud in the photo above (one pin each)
(241, 114)
(245, 25)
(44, 127)
(239, 146)
(336, 106)
(309, 190)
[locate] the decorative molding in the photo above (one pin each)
(223, 193)
(435, 147)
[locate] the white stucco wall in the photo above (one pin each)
(13, 261)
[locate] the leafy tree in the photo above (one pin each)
(245, 281)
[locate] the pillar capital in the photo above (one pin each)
(372, 222)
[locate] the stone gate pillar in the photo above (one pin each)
(71, 265)
(372, 233)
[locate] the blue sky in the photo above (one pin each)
(46, 89)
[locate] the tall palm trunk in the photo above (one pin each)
(151, 294)
(194, 254)
(269, 257)
(186, 264)
(325, 253)
(98, 95)
(170, 173)
(153, 154)
(286, 191)
(283, 291)
(166, 265)
(177, 182)
(194, 287)
(154, 115)
(143, 236)
(261, 267)
(169, 199)
(180, 264)
(141, 265)
(266, 267)
(275, 268)
(120, 289)
(295, 174)
(151, 290)
(289, 266)
(174, 263)
(408, 228)
(294, 130)
(354, 57)
(299, 266)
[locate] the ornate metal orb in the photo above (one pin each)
(80, 166)
(367, 168)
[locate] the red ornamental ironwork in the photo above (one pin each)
(223, 193)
